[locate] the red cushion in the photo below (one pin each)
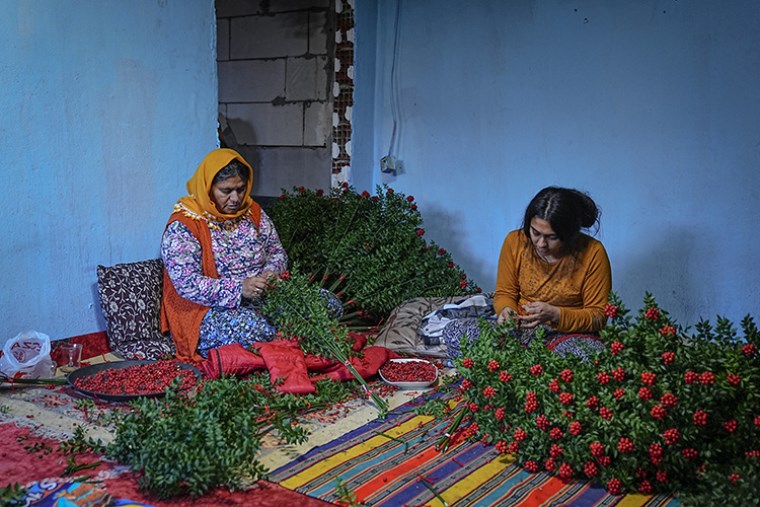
(285, 360)
(232, 359)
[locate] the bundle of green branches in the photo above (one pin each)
(189, 443)
(297, 306)
(372, 244)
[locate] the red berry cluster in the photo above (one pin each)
(648, 378)
(707, 378)
(668, 357)
(605, 413)
(616, 347)
(668, 331)
(733, 379)
(731, 425)
(575, 428)
(691, 377)
(493, 365)
(689, 453)
(505, 376)
(671, 436)
(590, 469)
(658, 412)
(565, 471)
(466, 384)
(531, 466)
(625, 444)
(531, 402)
(565, 398)
(501, 446)
(749, 350)
(610, 310)
(489, 392)
(555, 433)
(669, 400)
(645, 394)
(519, 434)
(614, 486)
(618, 393)
(618, 374)
(603, 378)
(499, 414)
(652, 313)
(542, 422)
(536, 370)
(554, 386)
(592, 402)
(700, 418)
(513, 447)
(467, 362)
(555, 451)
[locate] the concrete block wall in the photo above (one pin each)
(275, 80)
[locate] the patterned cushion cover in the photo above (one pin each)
(130, 296)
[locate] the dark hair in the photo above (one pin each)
(234, 168)
(567, 210)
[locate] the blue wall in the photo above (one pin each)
(106, 108)
(651, 106)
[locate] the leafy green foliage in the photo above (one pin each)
(371, 246)
(189, 443)
(12, 495)
(298, 308)
(659, 410)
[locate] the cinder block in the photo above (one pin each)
(275, 36)
(228, 8)
(317, 123)
(275, 169)
(222, 40)
(266, 124)
(251, 80)
(294, 5)
(318, 31)
(301, 79)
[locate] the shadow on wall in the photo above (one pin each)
(448, 229)
(662, 268)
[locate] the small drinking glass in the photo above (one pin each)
(71, 356)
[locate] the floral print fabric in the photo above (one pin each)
(239, 253)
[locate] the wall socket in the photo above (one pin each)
(388, 165)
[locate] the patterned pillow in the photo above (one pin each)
(130, 297)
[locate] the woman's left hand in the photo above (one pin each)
(537, 313)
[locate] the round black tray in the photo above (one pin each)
(118, 365)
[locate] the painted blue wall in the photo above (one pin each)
(106, 108)
(651, 106)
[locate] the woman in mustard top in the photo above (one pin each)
(550, 273)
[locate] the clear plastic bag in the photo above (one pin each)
(27, 353)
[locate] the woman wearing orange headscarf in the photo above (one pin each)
(220, 252)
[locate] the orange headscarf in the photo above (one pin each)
(199, 186)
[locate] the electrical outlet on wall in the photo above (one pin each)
(388, 165)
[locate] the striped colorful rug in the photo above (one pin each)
(394, 463)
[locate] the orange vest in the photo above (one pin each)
(181, 316)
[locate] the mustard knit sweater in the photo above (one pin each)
(578, 284)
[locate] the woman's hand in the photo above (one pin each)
(505, 315)
(538, 313)
(254, 286)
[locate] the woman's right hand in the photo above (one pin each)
(505, 315)
(254, 286)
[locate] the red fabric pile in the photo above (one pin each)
(288, 365)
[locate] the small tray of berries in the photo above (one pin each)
(409, 373)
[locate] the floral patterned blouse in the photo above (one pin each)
(240, 252)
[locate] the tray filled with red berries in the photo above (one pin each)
(128, 380)
(409, 373)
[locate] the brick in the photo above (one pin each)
(317, 127)
(269, 36)
(267, 124)
(251, 80)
